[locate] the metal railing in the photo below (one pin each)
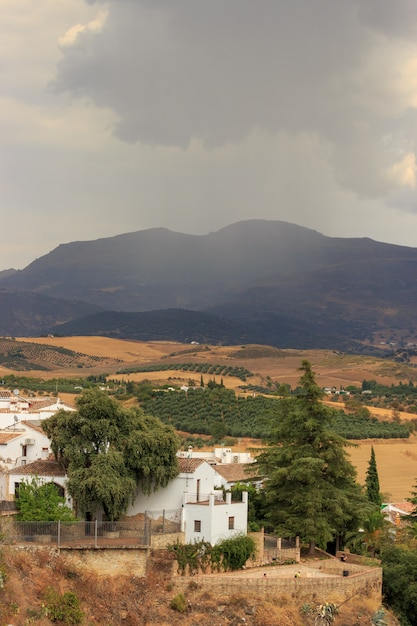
(202, 498)
(92, 534)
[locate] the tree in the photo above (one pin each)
(108, 450)
(373, 533)
(311, 489)
(40, 502)
(399, 584)
(372, 481)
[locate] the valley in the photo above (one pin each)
(396, 459)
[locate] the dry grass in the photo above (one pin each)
(396, 460)
(134, 601)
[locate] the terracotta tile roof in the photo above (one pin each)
(407, 507)
(188, 466)
(237, 472)
(34, 425)
(5, 437)
(40, 468)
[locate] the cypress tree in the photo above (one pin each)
(372, 481)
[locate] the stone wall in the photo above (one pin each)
(314, 589)
(110, 562)
(276, 555)
(160, 541)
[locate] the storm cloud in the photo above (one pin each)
(192, 115)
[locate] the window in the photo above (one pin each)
(197, 526)
(231, 523)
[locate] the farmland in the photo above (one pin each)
(396, 459)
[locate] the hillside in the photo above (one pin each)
(31, 575)
(261, 282)
(397, 461)
(30, 313)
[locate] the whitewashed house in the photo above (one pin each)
(46, 470)
(20, 445)
(14, 408)
(204, 514)
(23, 443)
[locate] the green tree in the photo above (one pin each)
(372, 481)
(399, 583)
(370, 537)
(311, 489)
(108, 450)
(40, 502)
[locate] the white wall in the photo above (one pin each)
(214, 520)
(171, 496)
(14, 448)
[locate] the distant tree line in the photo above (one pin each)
(201, 368)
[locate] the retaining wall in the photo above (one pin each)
(305, 589)
(110, 562)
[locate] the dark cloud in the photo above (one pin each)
(215, 70)
(174, 71)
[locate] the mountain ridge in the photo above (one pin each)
(276, 282)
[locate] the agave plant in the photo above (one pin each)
(378, 618)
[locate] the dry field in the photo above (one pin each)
(396, 460)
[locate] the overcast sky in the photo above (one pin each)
(122, 115)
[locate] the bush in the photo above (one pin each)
(179, 603)
(63, 608)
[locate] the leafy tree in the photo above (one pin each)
(108, 450)
(412, 517)
(311, 489)
(372, 481)
(399, 583)
(40, 502)
(373, 533)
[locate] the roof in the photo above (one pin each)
(188, 466)
(40, 468)
(6, 436)
(237, 472)
(33, 425)
(395, 511)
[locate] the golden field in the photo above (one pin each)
(396, 459)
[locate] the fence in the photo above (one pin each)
(93, 534)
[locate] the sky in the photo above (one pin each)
(124, 115)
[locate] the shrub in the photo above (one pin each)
(179, 603)
(63, 608)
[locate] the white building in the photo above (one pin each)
(14, 408)
(229, 474)
(23, 443)
(45, 470)
(204, 512)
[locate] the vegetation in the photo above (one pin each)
(24, 355)
(211, 369)
(400, 582)
(41, 502)
(63, 608)
(402, 396)
(199, 410)
(108, 450)
(227, 555)
(52, 385)
(372, 481)
(311, 489)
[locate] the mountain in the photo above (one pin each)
(26, 314)
(163, 325)
(273, 282)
